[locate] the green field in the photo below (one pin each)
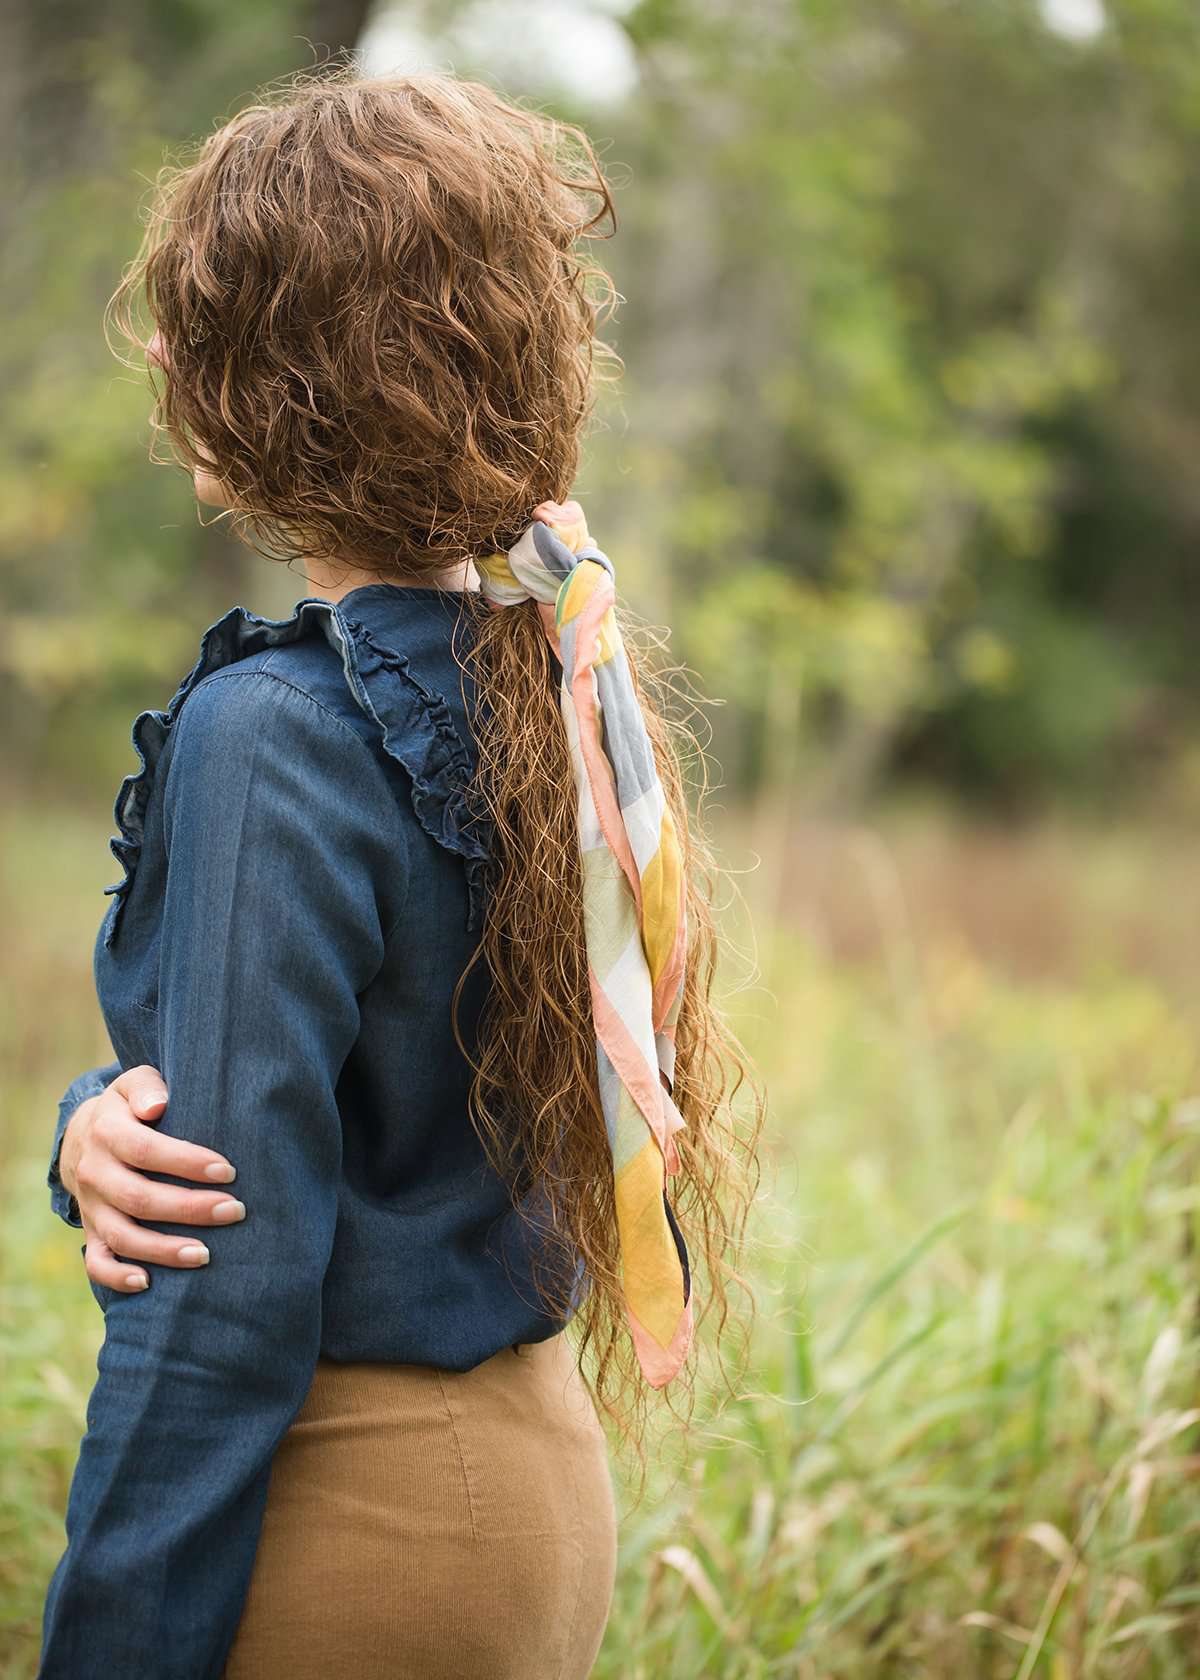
(968, 1443)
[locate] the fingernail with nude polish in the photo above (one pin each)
(136, 1280)
(195, 1253)
(226, 1212)
(221, 1172)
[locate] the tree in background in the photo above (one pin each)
(908, 333)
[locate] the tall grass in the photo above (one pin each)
(970, 1441)
(972, 1448)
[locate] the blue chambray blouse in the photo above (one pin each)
(304, 879)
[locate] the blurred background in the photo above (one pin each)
(905, 456)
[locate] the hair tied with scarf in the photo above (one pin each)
(634, 909)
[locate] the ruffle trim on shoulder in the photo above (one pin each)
(418, 731)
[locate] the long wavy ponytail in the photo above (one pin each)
(537, 1037)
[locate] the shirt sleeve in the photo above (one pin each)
(89, 1084)
(279, 824)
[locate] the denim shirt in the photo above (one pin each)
(303, 884)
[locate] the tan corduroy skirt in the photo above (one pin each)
(423, 1524)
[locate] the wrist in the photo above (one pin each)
(68, 1151)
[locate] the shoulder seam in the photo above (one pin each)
(221, 676)
(284, 682)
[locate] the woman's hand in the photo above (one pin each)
(106, 1148)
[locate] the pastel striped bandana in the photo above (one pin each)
(634, 910)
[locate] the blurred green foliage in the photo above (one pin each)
(909, 324)
(903, 450)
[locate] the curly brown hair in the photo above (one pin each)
(381, 325)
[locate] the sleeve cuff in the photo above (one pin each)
(89, 1084)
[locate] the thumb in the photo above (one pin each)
(148, 1104)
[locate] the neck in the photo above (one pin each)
(331, 579)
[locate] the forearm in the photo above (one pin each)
(199, 1378)
(201, 1374)
(89, 1084)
